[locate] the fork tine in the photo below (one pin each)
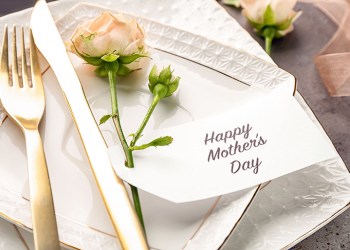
(34, 62)
(24, 61)
(15, 78)
(4, 63)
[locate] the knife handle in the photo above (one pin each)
(112, 189)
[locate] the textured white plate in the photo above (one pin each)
(204, 91)
(291, 207)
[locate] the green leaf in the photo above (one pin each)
(235, 3)
(269, 16)
(105, 118)
(95, 61)
(284, 25)
(123, 70)
(110, 57)
(159, 142)
(165, 75)
(174, 84)
(255, 25)
(101, 71)
(160, 90)
(162, 141)
(127, 59)
(279, 35)
(153, 77)
(112, 66)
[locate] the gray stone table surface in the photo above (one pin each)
(295, 53)
(10, 6)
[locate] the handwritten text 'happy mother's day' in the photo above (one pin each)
(238, 140)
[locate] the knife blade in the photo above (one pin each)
(111, 187)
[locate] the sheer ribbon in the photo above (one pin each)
(333, 61)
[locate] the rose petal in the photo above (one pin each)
(282, 9)
(255, 9)
(108, 33)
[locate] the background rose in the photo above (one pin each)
(282, 10)
(270, 18)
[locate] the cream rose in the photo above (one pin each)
(109, 42)
(270, 18)
(255, 9)
(107, 34)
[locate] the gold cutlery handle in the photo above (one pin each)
(43, 212)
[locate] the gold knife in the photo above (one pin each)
(112, 189)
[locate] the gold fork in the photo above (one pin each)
(24, 102)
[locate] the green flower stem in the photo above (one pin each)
(269, 34)
(115, 115)
(137, 205)
(127, 151)
(138, 133)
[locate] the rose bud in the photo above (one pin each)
(162, 84)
